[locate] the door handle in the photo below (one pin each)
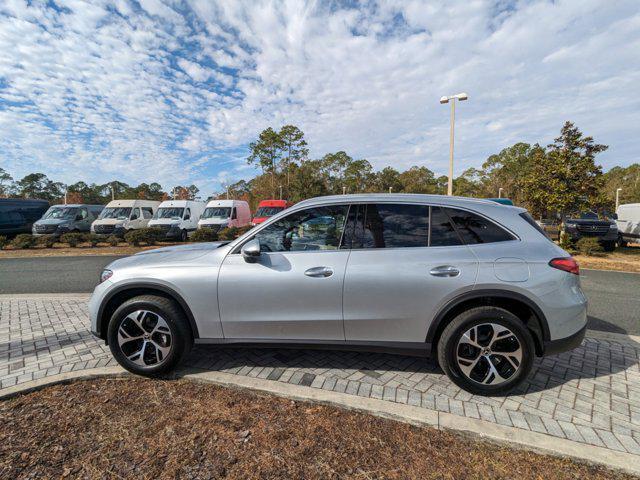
(445, 271)
(319, 272)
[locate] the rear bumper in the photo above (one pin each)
(560, 345)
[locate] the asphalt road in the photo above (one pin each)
(614, 297)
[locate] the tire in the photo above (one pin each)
(621, 242)
(479, 378)
(609, 246)
(184, 236)
(159, 353)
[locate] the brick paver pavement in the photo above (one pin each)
(590, 395)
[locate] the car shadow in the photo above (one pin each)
(593, 359)
(595, 323)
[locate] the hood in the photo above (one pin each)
(587, 221)
(53, 221)
(213, 221)
(164, 221)
(167, 256)
(109, 221)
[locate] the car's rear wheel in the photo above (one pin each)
(149, 335)
(486, 351)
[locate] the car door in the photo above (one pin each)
(294, 289)
(406, 261)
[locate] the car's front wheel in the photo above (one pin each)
(486, 351)
(149, 335)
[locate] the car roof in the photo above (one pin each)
(405, 197)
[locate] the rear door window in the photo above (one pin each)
(443, 234)
(476, 229)
(395, 226)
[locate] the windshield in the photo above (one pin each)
(120, 213)
(216, 212)
(268, 211)
(60, 213)
(169, 212)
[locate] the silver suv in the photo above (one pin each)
(474, 283)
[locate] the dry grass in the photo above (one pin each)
(625, 259)
(135, 428)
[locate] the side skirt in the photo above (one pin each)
(415, 349)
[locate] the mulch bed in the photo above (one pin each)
(136, 428)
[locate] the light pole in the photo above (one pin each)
(344, 190)
(618, 198)
(452, 99)
(280, 191)
(500, 192)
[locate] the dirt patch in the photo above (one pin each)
(60, 250)
(625, 259)
(136, 428)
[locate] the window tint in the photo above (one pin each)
(476, 229)
(187, 214)
(442, 232)
(136, 214)
(147, 212)
(317, 228)
(395, 225)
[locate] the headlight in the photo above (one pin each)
(612, 226)
(105, 275)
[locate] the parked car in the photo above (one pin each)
(60, 219)
(17, 215)
(178, 218)
(121, 216)
(474, 283)
(269, 208)
(628, 223)
(589, 224)
(220, 214)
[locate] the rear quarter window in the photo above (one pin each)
(529, 219)
(476, 229)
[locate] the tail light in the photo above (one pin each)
(567, 264)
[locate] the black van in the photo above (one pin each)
(18, 214)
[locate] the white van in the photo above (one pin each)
(178, 218)
(221, 214)
(628, 223)
(120, 216)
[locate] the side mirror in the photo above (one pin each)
(78, 217)
(251, 251)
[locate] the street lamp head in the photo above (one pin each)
(462, 96)
(444, 99)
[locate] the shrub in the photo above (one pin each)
(565, 241)
(46, 241)
(231, 233)
(144, 235)
(24, 240)
(73, 239)
(113, 240)
(93, 239)
(3, 241)
(589, 246)
(204, 235)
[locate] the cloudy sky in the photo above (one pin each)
(173, 91)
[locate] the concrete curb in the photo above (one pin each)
(509, 436)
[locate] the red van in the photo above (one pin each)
(268, 208)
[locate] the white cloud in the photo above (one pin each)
(173, 91)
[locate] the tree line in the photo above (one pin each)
(38, 185)
(561, 177)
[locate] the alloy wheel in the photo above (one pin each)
(144, 338)
(489, 354)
